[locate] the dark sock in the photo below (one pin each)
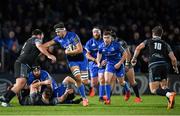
(77, 101)
(111, 93)
(161, 92)
(136, 90)
(167, 90)
(167, 98)
(88, 86)
(9, 95)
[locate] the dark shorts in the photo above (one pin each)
(158, 72)
(23, 97)
(21, 70)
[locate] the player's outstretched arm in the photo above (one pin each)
(128, 56)
(136, 53)
(43, 49)
(173, 61)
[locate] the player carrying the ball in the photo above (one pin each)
(71, 43)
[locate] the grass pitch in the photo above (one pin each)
(151, 105)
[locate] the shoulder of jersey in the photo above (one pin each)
(43, 71)
(71, 33)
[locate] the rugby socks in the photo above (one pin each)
(108, 91)
(9, 95)
(135, 89)
(168, 92)
(81, 90)
(161, 92)
(101, 90)
(126, 87)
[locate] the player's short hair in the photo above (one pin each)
(60, 26)
(96, 28)
(157, 31)
(35, 68)
(113, 34)
(37, 32)
(107, 32)
(112, 31)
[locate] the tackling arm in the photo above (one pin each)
(136, 53)
(43, 49)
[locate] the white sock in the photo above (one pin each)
(168, 94)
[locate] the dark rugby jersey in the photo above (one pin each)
(123, 43)
(29, 51)
(158, 50)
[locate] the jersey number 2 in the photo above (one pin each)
(157, 46)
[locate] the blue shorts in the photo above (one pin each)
(119, 72)
(93, 70)
(83, 65)
(58, 92)
(101, 70)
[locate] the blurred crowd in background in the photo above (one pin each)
(131, 19)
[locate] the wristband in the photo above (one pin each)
(127, 63)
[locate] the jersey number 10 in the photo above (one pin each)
(157, 46)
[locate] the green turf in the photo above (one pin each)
(151, 105)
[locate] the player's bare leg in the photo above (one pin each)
(6, 98)
(94, 83)
(170, 95)
(160, 88)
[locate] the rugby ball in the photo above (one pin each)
(71, 47)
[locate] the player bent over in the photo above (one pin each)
(30, 51)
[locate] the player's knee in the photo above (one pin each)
(107, 82)
(20, 83)
(86, 82)
(102, 81)
(134, 83)
(153, 91)
(78, 81)
(94, 81)
(121, 81)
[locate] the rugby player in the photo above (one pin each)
(92, 48)
(71, 43)
(30, 51)
(115, 56)
(159, 52)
